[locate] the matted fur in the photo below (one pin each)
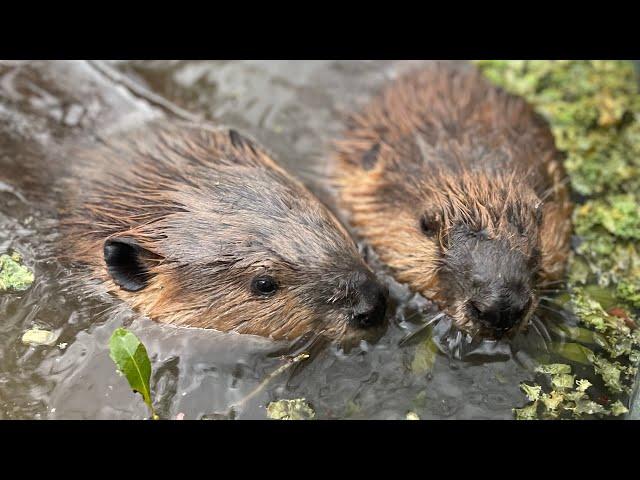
(443, 142)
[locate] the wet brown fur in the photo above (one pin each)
(212, 211)
(444, 140)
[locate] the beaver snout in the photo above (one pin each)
(500, 313)
(371, 306)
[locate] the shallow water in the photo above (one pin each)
(292, 108)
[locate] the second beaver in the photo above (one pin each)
(459, 188)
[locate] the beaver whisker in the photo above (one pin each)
(551, 291)
(541, 330)
(550, 283)
(548, 308)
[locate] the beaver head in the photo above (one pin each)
(459, 189)
(200, 228)
(483, 241)
(471, 242)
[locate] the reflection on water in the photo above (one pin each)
(293, 109)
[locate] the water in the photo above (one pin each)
(293, 109)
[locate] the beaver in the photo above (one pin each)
(193, 225)
(459, 188)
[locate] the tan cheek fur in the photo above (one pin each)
(556, 226)
(393, 233)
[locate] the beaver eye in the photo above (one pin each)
(429, 225)
(264, 285)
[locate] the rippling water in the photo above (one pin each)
(292, 108)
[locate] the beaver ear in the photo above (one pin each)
(128, 263)
(370, 157)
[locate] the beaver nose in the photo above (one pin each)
(501, 314)
(371, 305)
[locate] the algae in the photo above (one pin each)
(296, 409)
(13, 275)
(593, 109)
(567, 398)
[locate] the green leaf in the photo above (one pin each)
(618, 408)
(574, 352)
(532, 392)
(424, 357)
(563, 381)
(130, 356)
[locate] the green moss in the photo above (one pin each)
(14, 276)
(528, 412)
(593, 109)
(567, 398)
(296, 409)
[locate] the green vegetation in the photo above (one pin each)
(593, 108)
(567, 397)
(296, 409)
(14, 276)
(130, 356)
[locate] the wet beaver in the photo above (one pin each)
(190, 225)
(199, 227)
(459, 188)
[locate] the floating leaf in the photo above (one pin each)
(618, 408)
(583, 385)
(424, 357)
(563, 381)
(529, 412)
(552, 400)
(532, 392)
(574, 352)
(130, 356)
(35, 336)
(610, 372)
(412, 416)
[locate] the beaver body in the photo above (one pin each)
(197, 226)
(459, 188)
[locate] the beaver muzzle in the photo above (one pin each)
(499, 313)
(371, 305)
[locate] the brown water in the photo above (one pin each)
(292, 108)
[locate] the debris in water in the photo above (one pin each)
(14, 276)
(296, 409)
(568, 397)
(35, 336)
